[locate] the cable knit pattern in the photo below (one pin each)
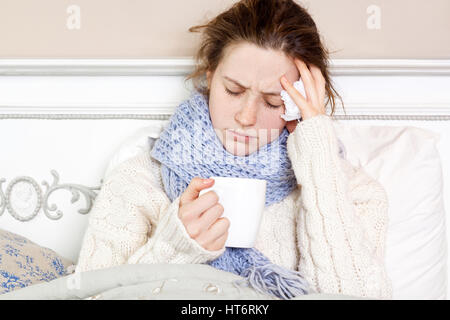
(342, 225)
(332, 227)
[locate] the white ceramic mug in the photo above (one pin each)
(243, 201)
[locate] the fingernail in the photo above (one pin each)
(283, 79)
(206, 181)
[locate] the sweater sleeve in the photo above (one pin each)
(342, 222)
(133, 221)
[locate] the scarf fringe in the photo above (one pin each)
(276, 280)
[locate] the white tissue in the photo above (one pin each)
(292, 110)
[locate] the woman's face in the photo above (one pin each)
(243, 85)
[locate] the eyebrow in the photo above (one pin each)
(242, 86)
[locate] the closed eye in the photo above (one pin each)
(235, 94)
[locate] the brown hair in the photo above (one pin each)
(270, 24)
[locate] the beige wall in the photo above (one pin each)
(155, 28)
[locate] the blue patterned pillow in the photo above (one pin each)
(23, 263)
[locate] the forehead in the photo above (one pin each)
(247, 62)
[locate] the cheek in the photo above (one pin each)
(273, 123)
(219, 109)
(270, 119)
(224, 106)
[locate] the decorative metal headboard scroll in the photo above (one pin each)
(29, 194)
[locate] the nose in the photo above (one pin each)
(247, 115)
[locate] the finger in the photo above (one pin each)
(195, 209)
(308, 81)
(193, 189)
(218, 228)
(219, 243)
(320, 84)
(216, 231)
(210, 216)
(214, 245)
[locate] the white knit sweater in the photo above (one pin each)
(332, 227)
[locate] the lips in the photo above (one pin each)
(240, 137)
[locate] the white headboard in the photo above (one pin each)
(62, 120)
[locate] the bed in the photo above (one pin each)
(63, 121)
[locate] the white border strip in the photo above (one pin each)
(164, 109)
(183, 65)
(390, 67)
(405, 117)
(154, 87)
(96, 67)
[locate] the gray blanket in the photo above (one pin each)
(150, 282)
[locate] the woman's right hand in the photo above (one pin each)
(201, 215)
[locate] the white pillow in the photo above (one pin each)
(136, 143)
(406, 161)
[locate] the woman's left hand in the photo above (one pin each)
(314, 83)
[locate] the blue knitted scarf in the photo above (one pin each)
(189, 147)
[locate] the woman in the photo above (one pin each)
(322, 218)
